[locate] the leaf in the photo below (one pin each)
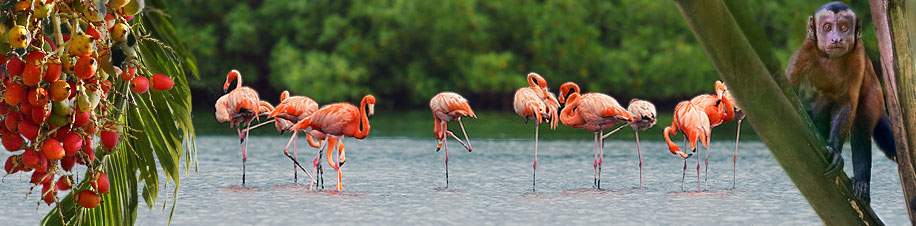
(165, 133)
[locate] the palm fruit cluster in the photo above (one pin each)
(65, 63)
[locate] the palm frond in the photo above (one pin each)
(161, 124)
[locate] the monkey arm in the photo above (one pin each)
(840, 123)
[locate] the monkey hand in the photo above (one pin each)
(836, 162)
(861, 189)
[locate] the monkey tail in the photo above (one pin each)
(884, 137)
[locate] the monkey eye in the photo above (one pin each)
(844, 28)
(827, 27)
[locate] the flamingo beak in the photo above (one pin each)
(371, 110)
(225, 90)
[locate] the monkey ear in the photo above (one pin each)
(812, 28)
(858, 27)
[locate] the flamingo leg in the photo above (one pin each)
(534, 171)
(684, 175)
(317, 164)
(296, 157)
(706, 173)
(244, 155)
(735, 161)
(258, 125)
(296, 162)
(613, 131)
(457, 139)
(639, 154)
(445, 146)
(595, 163)
(600, 158)
(339, 168)
(698, 169)
(466, 139)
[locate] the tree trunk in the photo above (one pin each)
(771, 112)
(898, 66)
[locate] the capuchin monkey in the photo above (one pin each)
(843, 89)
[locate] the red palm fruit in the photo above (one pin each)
(109, 139)
(28, 129)
(72, 85)
(90, 155)
(52, 73)
(81, 119)
(101, 183)
(43, 163)
(64, 183)
(88, 199)
(140, 84)
(39, 115)
(94, 33)
(87, 142)
(31, 75)
(38, 97)
(128, 75)
(14, 94)
(26, 109)
(14, 66)
(12, 121)
(106, 86)
(13, 142)
(40, 177)
(59, 90)
(162, 82)
(61, 133)
(13, 164)
(48, 193)
(72, 143)
(85, 67)
(91, 129)
(31, 158)
(4, 108)
(34, 57)
(53, 150)
(67, 163)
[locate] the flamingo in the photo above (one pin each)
(644, 117)
(739, 115)
(290, 110)
(690, 119)
(719, 109)
(535, 102)
(594, 112)
(340, 120)
(445, 107)
(239, 106)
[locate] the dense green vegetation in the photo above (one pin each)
(405, 51)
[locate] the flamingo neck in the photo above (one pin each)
(729, 108)
(670, 131)
(364, 121)
(569, 115)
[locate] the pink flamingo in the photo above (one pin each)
(594, 112)
(644, 117)
(445, 107)
(339, 120)
(536, 102)
(693, 121)
(240, 106)
(719, 109)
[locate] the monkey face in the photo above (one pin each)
(837, 31)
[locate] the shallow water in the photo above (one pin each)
(396, 181)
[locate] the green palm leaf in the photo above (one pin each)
(162, 127)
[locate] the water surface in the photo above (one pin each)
(397, 181)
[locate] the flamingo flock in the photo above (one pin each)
(326, 127)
